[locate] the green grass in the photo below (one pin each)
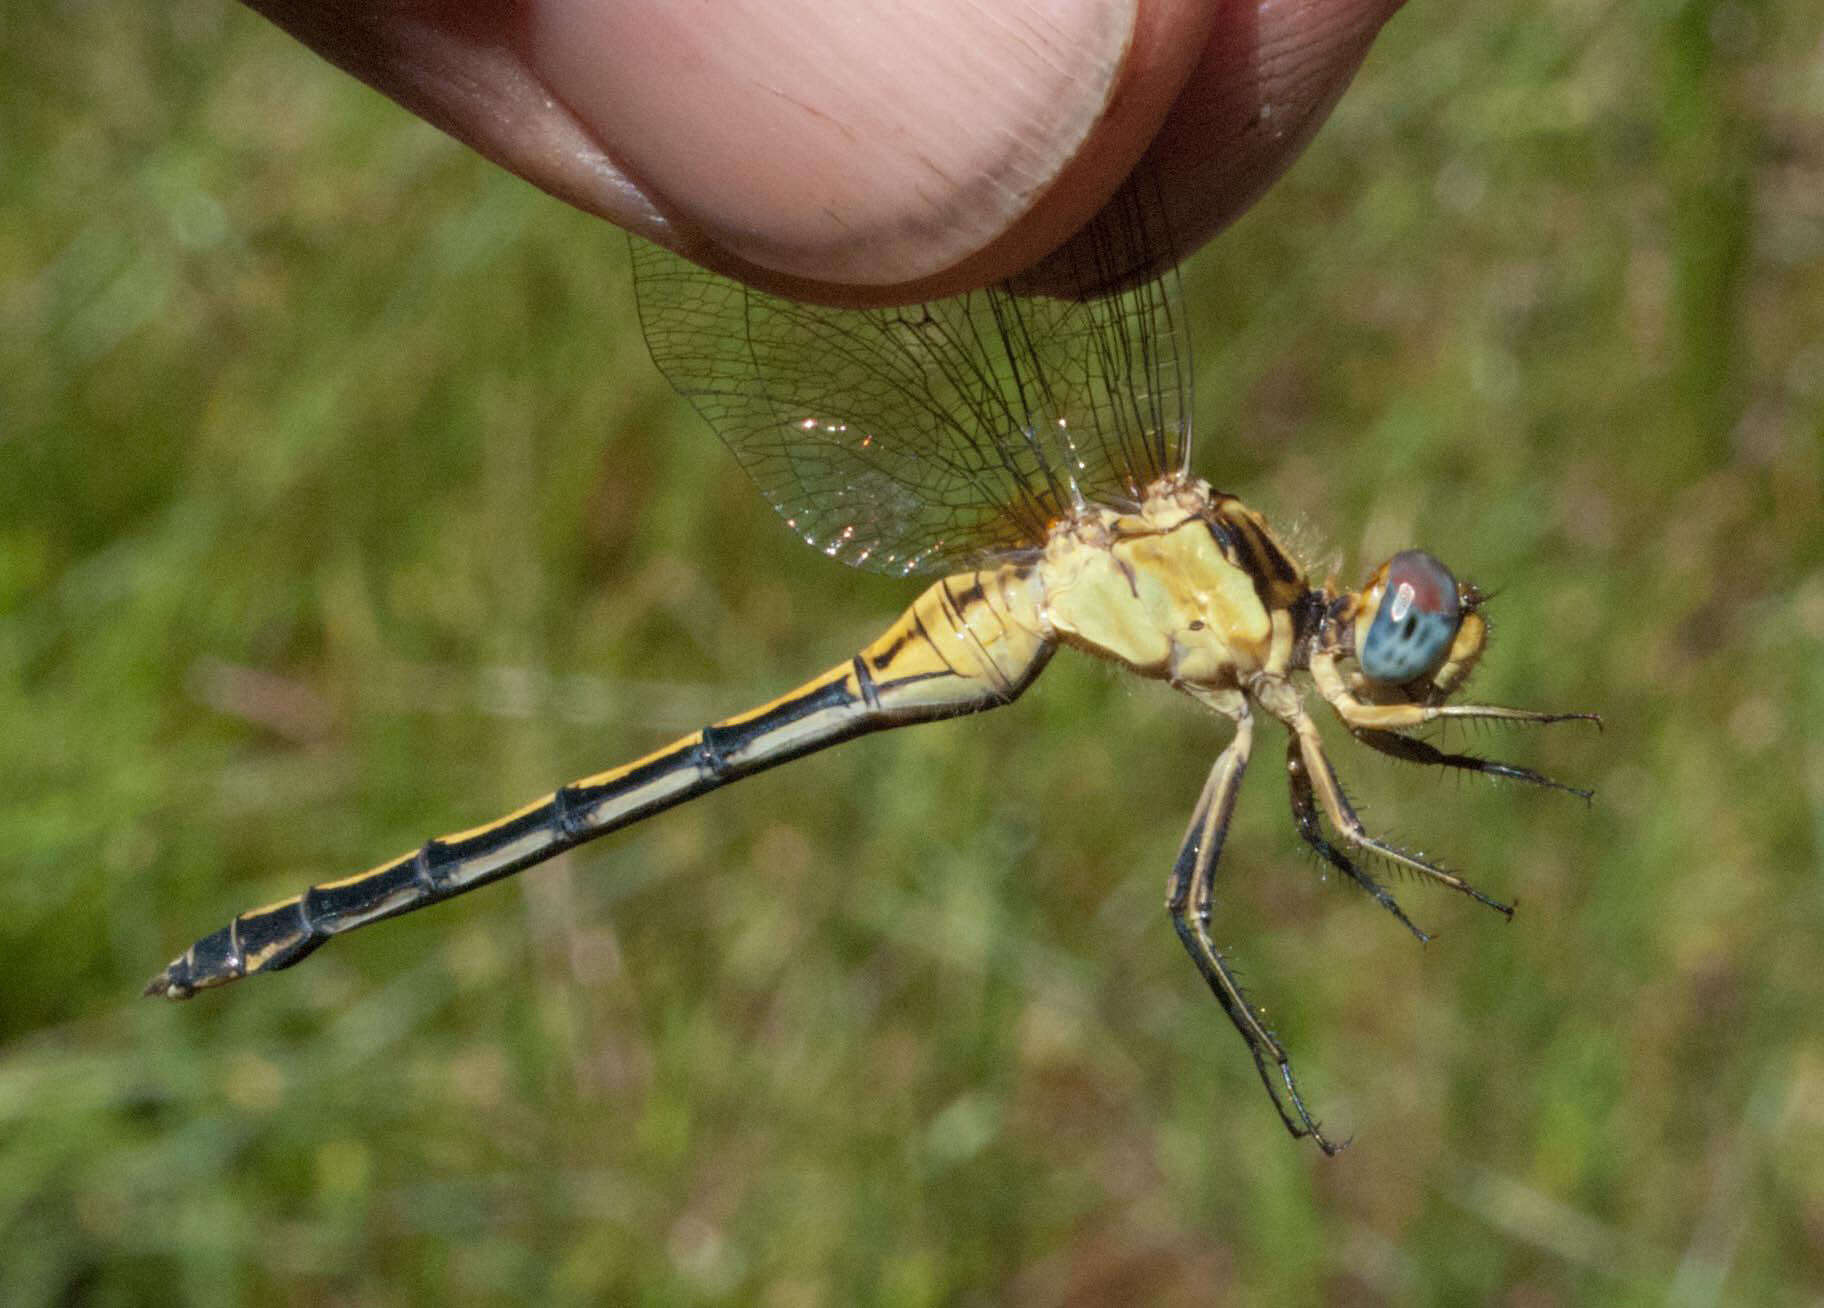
(341, 506)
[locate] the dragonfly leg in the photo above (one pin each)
(1188, 894)
(1343, 818)
(1410, 750)
(1304, 814)
(1358, 715)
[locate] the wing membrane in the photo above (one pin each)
(916, 439)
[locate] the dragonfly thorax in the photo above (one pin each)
(1190, 588)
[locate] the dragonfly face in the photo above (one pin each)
(1415, 632)
(1034, 456)
(1416, 614)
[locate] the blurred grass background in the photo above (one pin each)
(339, 505)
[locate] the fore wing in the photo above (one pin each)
(916, 439)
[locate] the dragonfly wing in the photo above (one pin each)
(916, 439)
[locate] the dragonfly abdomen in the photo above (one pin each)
(970, 642)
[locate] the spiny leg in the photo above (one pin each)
(1342, 817)
(1304, 814)
(1357, 714)
(1409, 750)
(1188, 895)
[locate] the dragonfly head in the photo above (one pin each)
(1417, 628)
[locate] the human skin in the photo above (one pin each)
(857, 151)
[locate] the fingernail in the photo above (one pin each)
(838, 141)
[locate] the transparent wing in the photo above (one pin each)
(917, 439)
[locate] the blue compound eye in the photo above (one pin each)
(1415, 624)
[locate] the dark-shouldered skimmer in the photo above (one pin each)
(1035, 455)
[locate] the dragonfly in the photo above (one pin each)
(1034, 455)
